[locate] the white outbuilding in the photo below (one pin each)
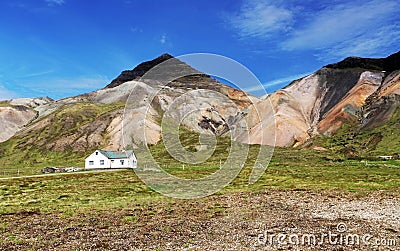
(111, 159)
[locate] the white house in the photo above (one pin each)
(111, 159)
(386, 157)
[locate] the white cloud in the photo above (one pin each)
(59, 88)
(354, 27)
(6, 94)
(163, 39)
(261, 19)
(277, 82)
(135, 29)
(331, 30)
(37, 74)
(371, 46)
(55, 2)
(82, 82)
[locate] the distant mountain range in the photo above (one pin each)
(327, 109)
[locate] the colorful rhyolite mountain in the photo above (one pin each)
(364, 92)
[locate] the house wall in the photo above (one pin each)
(97, 161)
(127, 163)
(116, 163)
(113, 163)
(133, 161)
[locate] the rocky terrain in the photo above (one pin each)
(17, 113)
(356, 90)
(238, 221)
(95, 119)
(363, 92)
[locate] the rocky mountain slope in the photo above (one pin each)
(363, 93)
(94, 120)
(15, 114)
(356, 90)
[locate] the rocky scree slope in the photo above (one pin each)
(94, 120)
(356, 90)
(16, 113)
(364, 92)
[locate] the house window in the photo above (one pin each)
(91, 163)
(122, 162)
(102, 162)
(97, 153)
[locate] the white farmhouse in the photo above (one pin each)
(111, 159)
(388, 157)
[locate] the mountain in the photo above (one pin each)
(16, 113)
(350, 105)
(360, 91)
(138, 71)
(389, 64)
(94, 120)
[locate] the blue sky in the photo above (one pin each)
(60, 48)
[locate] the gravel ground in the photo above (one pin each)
(273, 220)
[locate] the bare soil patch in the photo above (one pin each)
(236, 221)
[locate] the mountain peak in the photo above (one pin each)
(165, 56)
(389, 64)
(138, 71)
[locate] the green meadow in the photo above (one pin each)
(71, 193)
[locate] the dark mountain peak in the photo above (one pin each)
(164, 56)
(389, 64)
(138, 71)
(168, 72)
(393, 62)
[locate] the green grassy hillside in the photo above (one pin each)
(33, 148)
(353, 142)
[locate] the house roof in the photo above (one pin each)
(117, 154)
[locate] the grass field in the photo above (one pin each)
(288, 170)
(301, 190)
